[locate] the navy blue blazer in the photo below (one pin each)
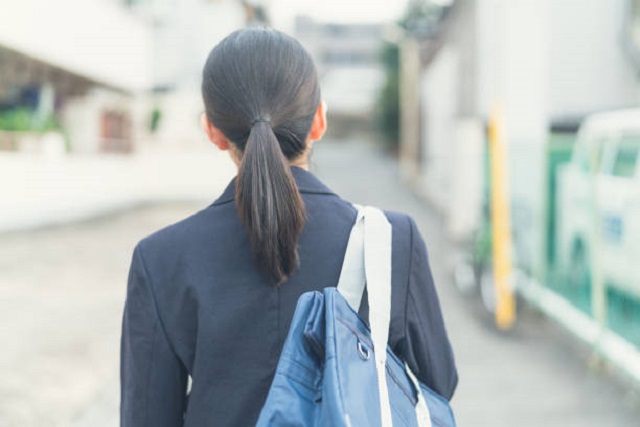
(197, 307)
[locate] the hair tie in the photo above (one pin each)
(259, 120)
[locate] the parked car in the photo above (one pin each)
(599, 198)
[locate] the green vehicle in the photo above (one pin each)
(598, 204)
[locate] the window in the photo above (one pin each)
(624, 164)
(589, 155)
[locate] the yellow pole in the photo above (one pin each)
(505, 313)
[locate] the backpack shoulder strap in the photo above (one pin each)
(367, 262)
(352, 279)
(377, 265)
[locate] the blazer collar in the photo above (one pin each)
(306, 181)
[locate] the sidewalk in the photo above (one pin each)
(535, 375)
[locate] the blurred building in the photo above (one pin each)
(348, 61)
(95, 72)
(593, 52)
(547, 63)
(184, 31)
(531, 69)
(91, 77)
(71, 67)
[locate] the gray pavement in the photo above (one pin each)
(62, 291)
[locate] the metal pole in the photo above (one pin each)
(505, 314)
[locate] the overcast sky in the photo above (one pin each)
(282, 12)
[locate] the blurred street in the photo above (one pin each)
(64, 287)
(524, 181)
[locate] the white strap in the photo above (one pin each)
(377, 266)
(422, 410)
(368, 260)
(352, 278)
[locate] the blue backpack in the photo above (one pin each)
(331, 371)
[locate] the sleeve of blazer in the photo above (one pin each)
(426, 347)
(153, 381)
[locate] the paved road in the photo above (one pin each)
(62, 292)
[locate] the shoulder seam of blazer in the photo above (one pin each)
(155, 304)
(406, 295)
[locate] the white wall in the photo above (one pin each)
(514, 75)
(97, 39)
(82, 117)
(518, 45)
(589, 70)
(439, 103)
(585, 63)
(452, 147)
(39, 190)
(467, 178)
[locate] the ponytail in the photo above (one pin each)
(269, 204)
(260, 88)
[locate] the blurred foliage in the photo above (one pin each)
(482, 249)
(16, 119)
(483, 239)
(388, 105)
(23, 119)
(156, 117)
(423, 17)
(50, 123)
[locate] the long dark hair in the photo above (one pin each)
(260, 88)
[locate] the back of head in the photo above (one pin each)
(260, 88)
